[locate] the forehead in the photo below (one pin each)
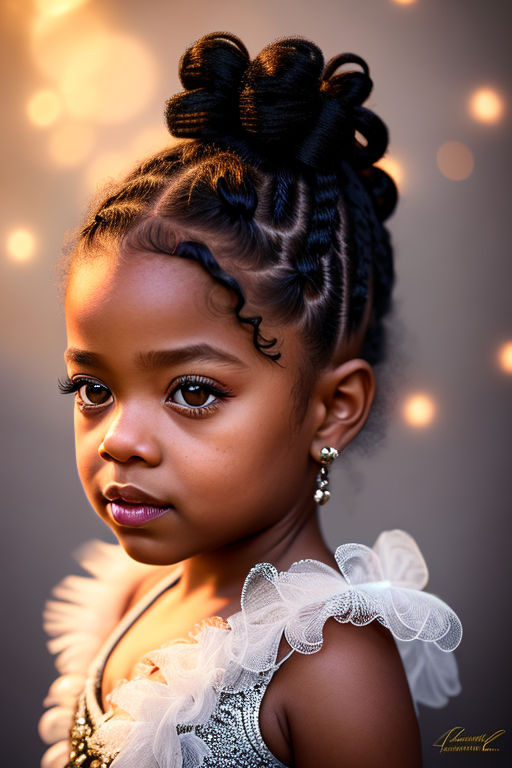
(137, 285)
(128, 303)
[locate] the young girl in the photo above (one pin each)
(224, 308)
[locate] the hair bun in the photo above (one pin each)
(216, 62)
(210, 71)
(283, 105)
(382, 190)
(342, 120)
(280, 94)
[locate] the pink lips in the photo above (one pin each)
(130, 505)
(135, 514)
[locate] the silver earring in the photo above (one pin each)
(327, 456)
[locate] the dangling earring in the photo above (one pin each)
(327, 456)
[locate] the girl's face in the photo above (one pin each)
(186, 437)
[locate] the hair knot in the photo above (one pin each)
(238, 200)
(282, 107)
(210, 71)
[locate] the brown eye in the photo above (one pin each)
(193, 395)
(93, 394)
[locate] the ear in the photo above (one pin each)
(347, 394)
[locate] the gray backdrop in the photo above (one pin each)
(448, 483)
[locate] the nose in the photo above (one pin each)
(130, 437)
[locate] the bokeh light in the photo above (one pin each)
(403, 2)
(21, 245)
(486, 105)
(55, 41)
(44, 108)
(392, 166)
(419, 410)
(58, 7)
(505, 357)
(455, 160)
(108, 79)
(70, 144)
(102, 75)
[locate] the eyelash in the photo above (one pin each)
(72, 386)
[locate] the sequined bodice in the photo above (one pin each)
(232, 734)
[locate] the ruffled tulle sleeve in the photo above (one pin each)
(384, 582)
(83, 612)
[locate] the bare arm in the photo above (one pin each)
(349, 705)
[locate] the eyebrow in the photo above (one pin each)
(161, 358)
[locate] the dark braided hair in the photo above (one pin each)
(272, 190)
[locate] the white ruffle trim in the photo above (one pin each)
(82, 616)
(382, 583)
(193, 672)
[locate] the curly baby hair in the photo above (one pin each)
(272, 190)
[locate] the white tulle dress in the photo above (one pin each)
(205, 713)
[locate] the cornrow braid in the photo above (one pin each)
(121, 207)
(371, 247)
(322, 223)
(284, 197)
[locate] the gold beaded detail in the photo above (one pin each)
(80, 755)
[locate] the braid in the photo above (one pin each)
(119, 209)
(370, 245)
(284, 197)
(324, 218)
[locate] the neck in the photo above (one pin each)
(222, 572)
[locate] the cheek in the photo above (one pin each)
(86, 450)
(250, 460)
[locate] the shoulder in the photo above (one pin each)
(349, 703)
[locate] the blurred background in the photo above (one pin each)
(83, 88)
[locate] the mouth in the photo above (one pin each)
(127, 513)
(129, 505)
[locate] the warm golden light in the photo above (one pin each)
(44, 108)
(56, 41)
(403, 2)
(486, 105)
(393, 167)
(58, 7)
(419, 410)
(108, 79)
(21, 245)
(505, 357)
(79, 83)
(70, 144)
(455, 160)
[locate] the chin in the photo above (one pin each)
(145, 549)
